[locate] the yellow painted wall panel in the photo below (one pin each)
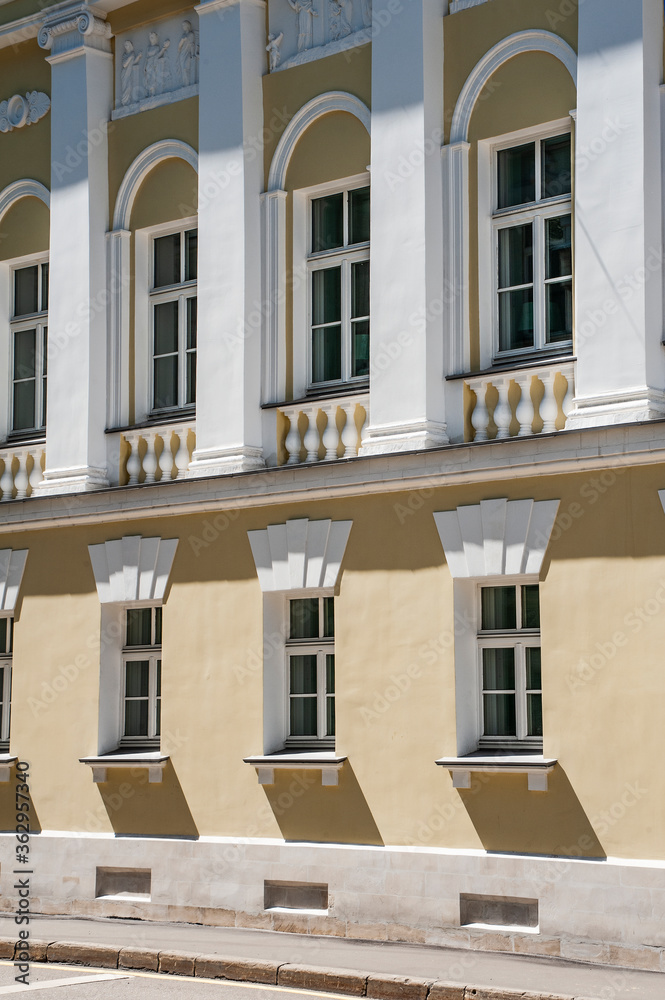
(24, 229)
(25, 152)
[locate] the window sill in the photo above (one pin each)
(326, 392)
(517, 363)
(153, 761)
(535, 766)
(185, 415)
(19, 440)
(325, 761)
(7, 760)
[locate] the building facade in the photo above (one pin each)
(332, 556)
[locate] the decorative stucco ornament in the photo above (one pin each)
(19, 111)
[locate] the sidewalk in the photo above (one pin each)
(473, 969)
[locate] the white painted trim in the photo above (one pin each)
(24, 188)
(507, 48)
(456, 5)
(273, 204)
(165, 149)
(132, 568)
(12, 565)
(300, 554)
(118, 246)
(456, 254)
(324, 104)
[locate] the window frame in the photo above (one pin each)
(518, 639)
(6, 662)
(322, 646)
(37, 321)
(153, 654)
(491, 219)
(305, 262)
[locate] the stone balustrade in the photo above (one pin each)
(323, 430)
(520, 402)
(157, 453)
(21, 471)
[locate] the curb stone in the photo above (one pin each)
(346, 981)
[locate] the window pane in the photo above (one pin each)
(191, 378)
(515, 256)
(303, 717)
(191, 251)
(559, 312)
(330, 673)
(25, 290)
(166, 382)
(499, 669)
(304, 618)
(192, 313)
(303, 674)
(136, 718)
(44, 303)
(23, 415)
(328, 616)
(24, 353)
(359, 216)
(167, 260)
(360, 348)
(330, 716)
(499, 715)
(516, 320)
(327, 223)
(158, 626)
(327, 354)
(159, 678)
(11, 635)
(530, 606)
(191, 351)
(327, 296)
(158, 717)
(556, 167)
(3, 636)
(498, 608)
(137, 674)
(166, 327)
(558, 253)
(517, 175)
(138, 627)
(534, 714)
(360, 289)
(533, 672)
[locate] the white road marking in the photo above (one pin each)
(50, 984)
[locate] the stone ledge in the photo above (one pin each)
(325, 980)
(236, 969)
(69, 953)
(398, 988)
(138, 958)
(177, 963)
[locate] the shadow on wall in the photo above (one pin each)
(306, 810)
(141, 809)
(12, 806)
(509, 818)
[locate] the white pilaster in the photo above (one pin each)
(81, 96)
(274, 296)
(232, 62)
(618, 222)
(406, 354)
(456, 254)
(118, 243)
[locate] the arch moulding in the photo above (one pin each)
(23, 189)
(166, 149)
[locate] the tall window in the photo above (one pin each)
(142, 669)
(310, 655)
(338, 264)
(6, 645)
(29, 333)
(173, 310)
(532, 223)
(509, 655)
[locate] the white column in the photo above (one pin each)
(118, 265)
(618, 223)
(232, 62)
(407, 301)
(81, 98)
(456, 255)
(274, 296)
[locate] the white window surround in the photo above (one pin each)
(496, 542)
(302, 335)
(300, 558)
(143, 323)
(488, 220)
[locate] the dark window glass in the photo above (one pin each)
(191, 254)
(517, 175)
(328, 617)
(44, 303)
(327, 223)
(26, 290)
(498, 608)
(167, 260)
(304, 618)
(359, 216)
(556, 166)
(139, 627)
(530, 606)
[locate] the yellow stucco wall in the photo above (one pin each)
(24, 229)
(25, 152)
(602, 679)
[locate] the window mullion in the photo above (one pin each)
(182, 341)
(152, 697)
(520, 691)
(539, 281)
(321, 693)
(346, 320)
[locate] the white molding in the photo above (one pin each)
(274, 295)
(25, 188)
(300, 554)
(172, 97)
(132, 568)
(324, 104)
(18, 110)
(507, 48)
(496, 537)
(361, 37)
(12, 565)
(456, 254)
(118, 246)
(165, 149)
(456, 5)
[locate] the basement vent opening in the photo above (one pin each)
(295, 896)
(503, 912)
(123, 883)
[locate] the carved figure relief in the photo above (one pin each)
(366, 6)
(129, 84)
(19, 111)
(341, 12)
(304, 12)
(151, 65)
(187, 53)
(272, 48)
(157, 69)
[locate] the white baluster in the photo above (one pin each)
(311, 436)
(524, 409)
(502, 411)
(365, 423)
(350, 432)
(21, 477)
(150, 458)
(567, 401)
(133, 460)
(7, 478)
(36, 474)
(182, 454)
(480, 417)
(331, 434)
(166, 457)
(293, 440)
(549, 410)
